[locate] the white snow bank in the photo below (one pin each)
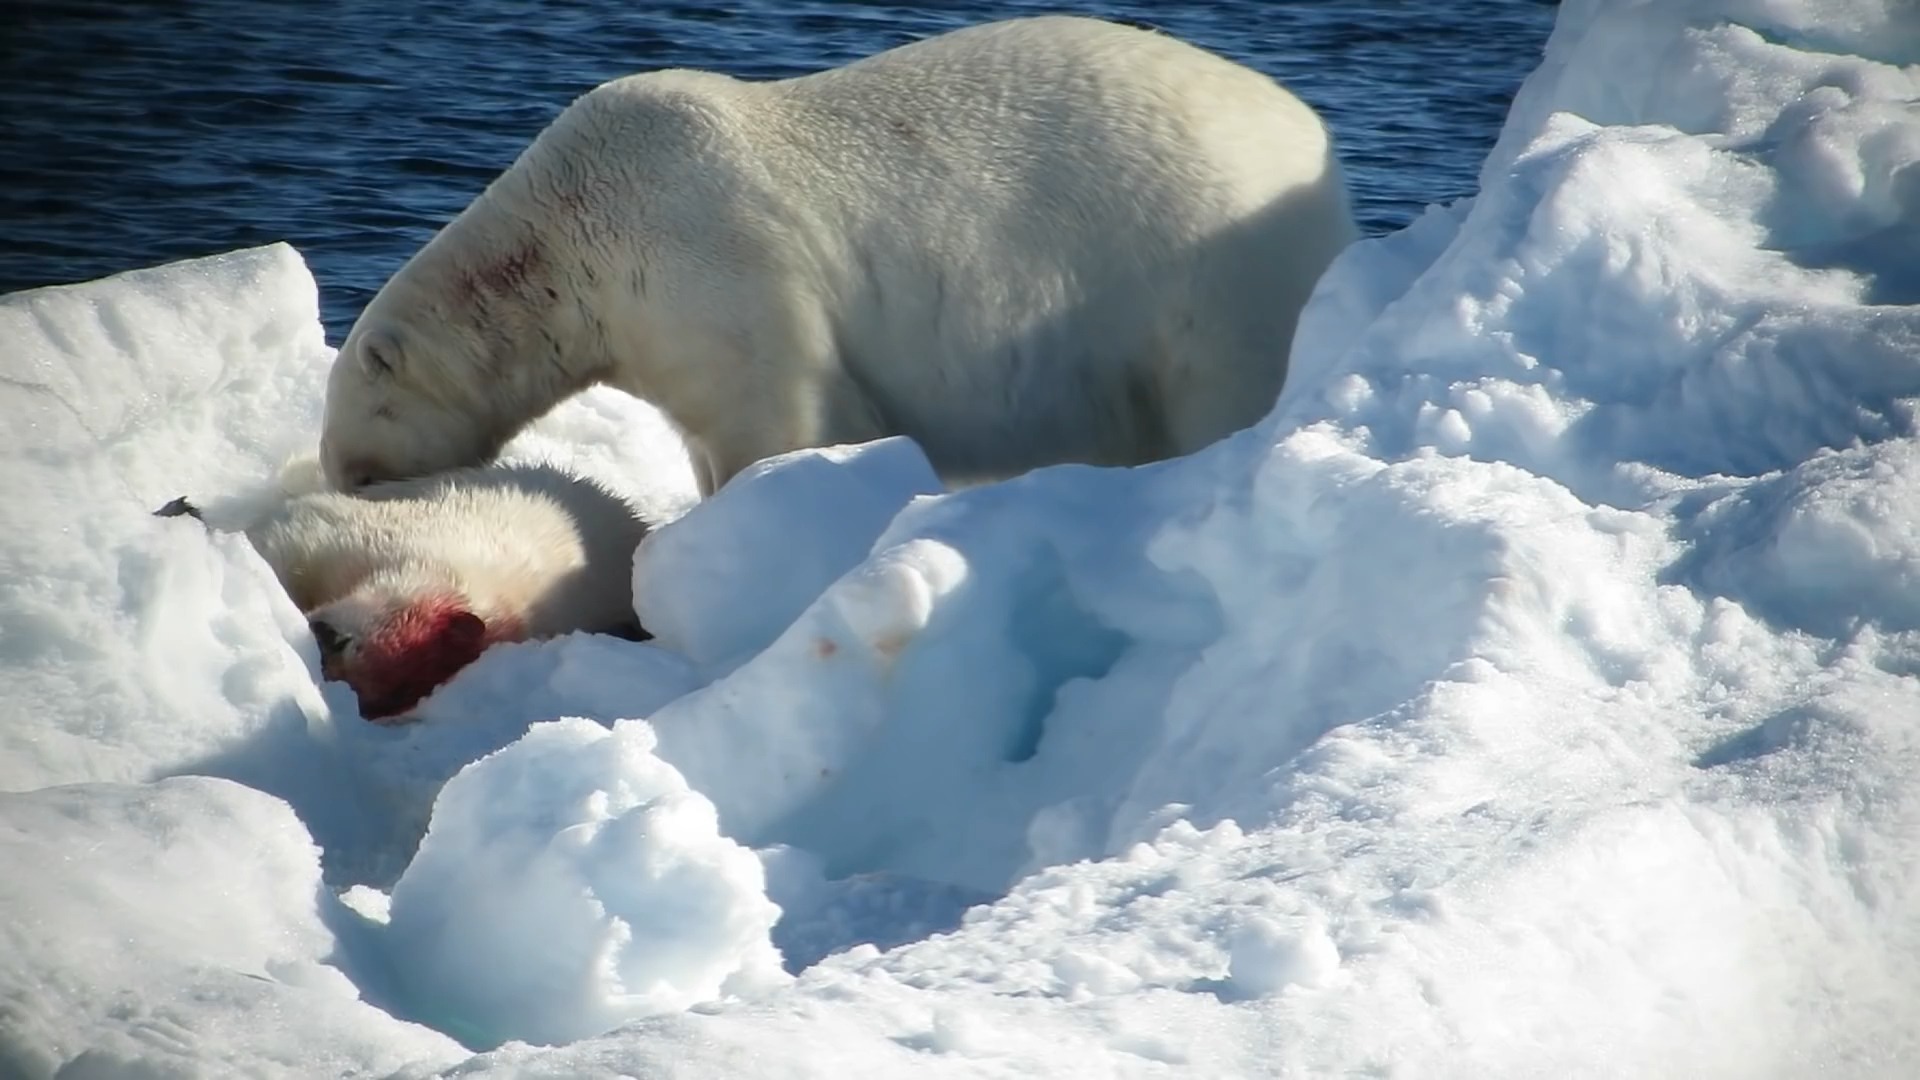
(571, 883)
(1532, 693)
(719, 584)
(1678, 267)
(118, 397)
(150, 928)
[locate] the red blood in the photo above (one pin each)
(419, 647)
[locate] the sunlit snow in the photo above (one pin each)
(1533, 693)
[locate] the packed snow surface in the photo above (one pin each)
(1533, 693)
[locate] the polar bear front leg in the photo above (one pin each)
(766, 379)
(805, 412)
(705, 472)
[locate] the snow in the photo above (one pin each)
(715, 590)
(645, 908)
(158, 929)
(1531, 693)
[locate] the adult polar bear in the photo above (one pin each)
(1021, 243)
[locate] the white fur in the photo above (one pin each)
(1033, 241)
(531, 545)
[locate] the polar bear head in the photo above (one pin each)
(538, 288)
(478, 334)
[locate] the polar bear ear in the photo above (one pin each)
(379, 354)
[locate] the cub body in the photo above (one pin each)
(409, 581)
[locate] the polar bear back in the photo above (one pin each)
(1054, 199)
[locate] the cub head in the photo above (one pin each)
(395, 650)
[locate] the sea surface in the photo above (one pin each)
(135, 133)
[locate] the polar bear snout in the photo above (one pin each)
(382, 452)
(344, 473)
(381, 423)
(360, 441)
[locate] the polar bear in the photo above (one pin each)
(1021, 243)
(409, 581)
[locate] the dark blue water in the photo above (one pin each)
(134, 133)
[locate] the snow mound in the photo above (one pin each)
(721, 582)
(572, 882)
(122, 396)
(117, 959)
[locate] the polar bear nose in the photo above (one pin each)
(324, 635)
(333, 646)
(344, 474)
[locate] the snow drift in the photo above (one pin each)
(1531, 693)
